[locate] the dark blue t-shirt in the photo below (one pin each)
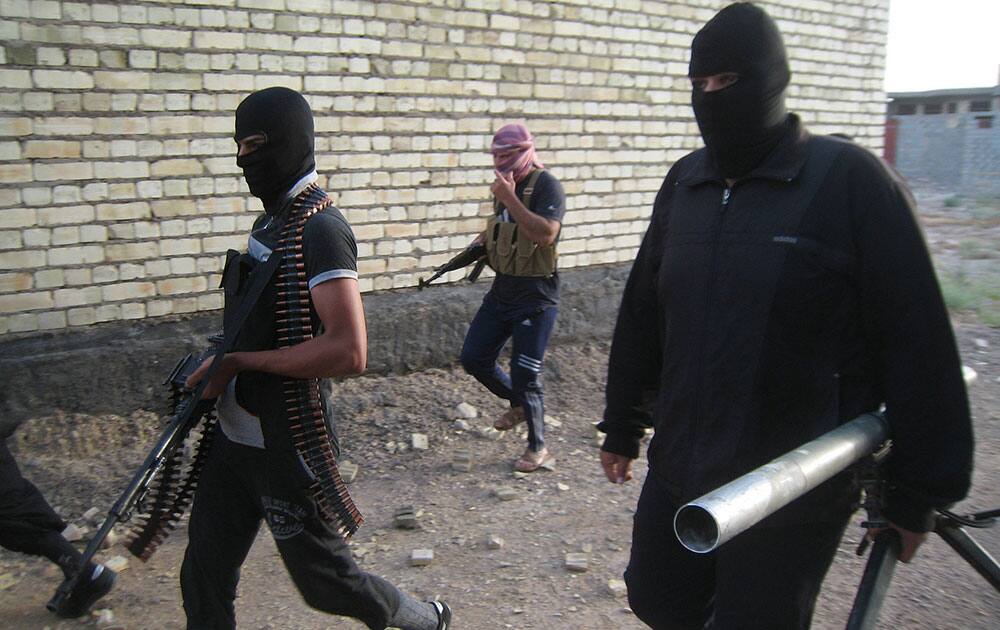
(548, 200)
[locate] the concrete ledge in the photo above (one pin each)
(116, 368)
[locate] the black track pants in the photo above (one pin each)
(27, 522)
(239, 487)
(766, 578)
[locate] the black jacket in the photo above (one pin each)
(761, 316)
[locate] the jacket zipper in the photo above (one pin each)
(709, 298)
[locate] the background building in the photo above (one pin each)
(947, 138)
(121, 193)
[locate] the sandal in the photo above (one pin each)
(533, 460)
(510, 419)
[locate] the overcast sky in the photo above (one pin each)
(941, 44)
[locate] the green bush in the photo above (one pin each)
(972, 249)
(986, 212)
(980, 294)
(953, 201)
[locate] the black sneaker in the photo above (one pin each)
(444, 614)
(87, 591)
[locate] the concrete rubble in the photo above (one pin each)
(74, 532)
(104, 618)
(421, 557)
(617, 588)
(405, 518)
(577, 562)
(461, 461)
(467, 411)
(504, 493)
(117, 563)
(419, 442)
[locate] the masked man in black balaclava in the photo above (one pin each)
(272, 456)
(782, 289)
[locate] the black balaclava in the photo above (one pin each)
(741, 123)
(284, 118)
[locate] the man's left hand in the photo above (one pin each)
(908, 541)
(503, 187)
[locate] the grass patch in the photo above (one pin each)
(979, 294)
(976, 249)
(986, 213)
(953, 201)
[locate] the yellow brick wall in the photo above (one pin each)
(120, 192)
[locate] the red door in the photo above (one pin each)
(889, 150)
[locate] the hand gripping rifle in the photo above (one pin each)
(166, 455)
(474, 253)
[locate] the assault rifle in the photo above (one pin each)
(189, 409)
(474, 253)
(166, 456)
(714, 518)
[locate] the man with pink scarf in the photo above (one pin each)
(520, 308)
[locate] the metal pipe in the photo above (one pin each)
(711, 520)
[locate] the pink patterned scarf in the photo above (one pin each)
(513, 151)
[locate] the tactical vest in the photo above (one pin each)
(509, 251)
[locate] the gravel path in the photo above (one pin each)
(83, 461)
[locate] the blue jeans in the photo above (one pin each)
(530, 329)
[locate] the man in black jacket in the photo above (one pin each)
(782, 288)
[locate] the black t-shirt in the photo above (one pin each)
(328, 245)
(548, 200)
(330, 252)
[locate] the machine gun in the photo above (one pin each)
(474, 253)
(174, 492)
(163, 471)
(715, 518)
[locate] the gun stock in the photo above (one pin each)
(710, 520)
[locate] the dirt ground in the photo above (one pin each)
(84, 461)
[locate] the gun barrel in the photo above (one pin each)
(710, 520)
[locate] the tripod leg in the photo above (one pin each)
(977, 557)
(875, 581)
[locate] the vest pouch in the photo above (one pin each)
(501, 245)
(534, 260)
